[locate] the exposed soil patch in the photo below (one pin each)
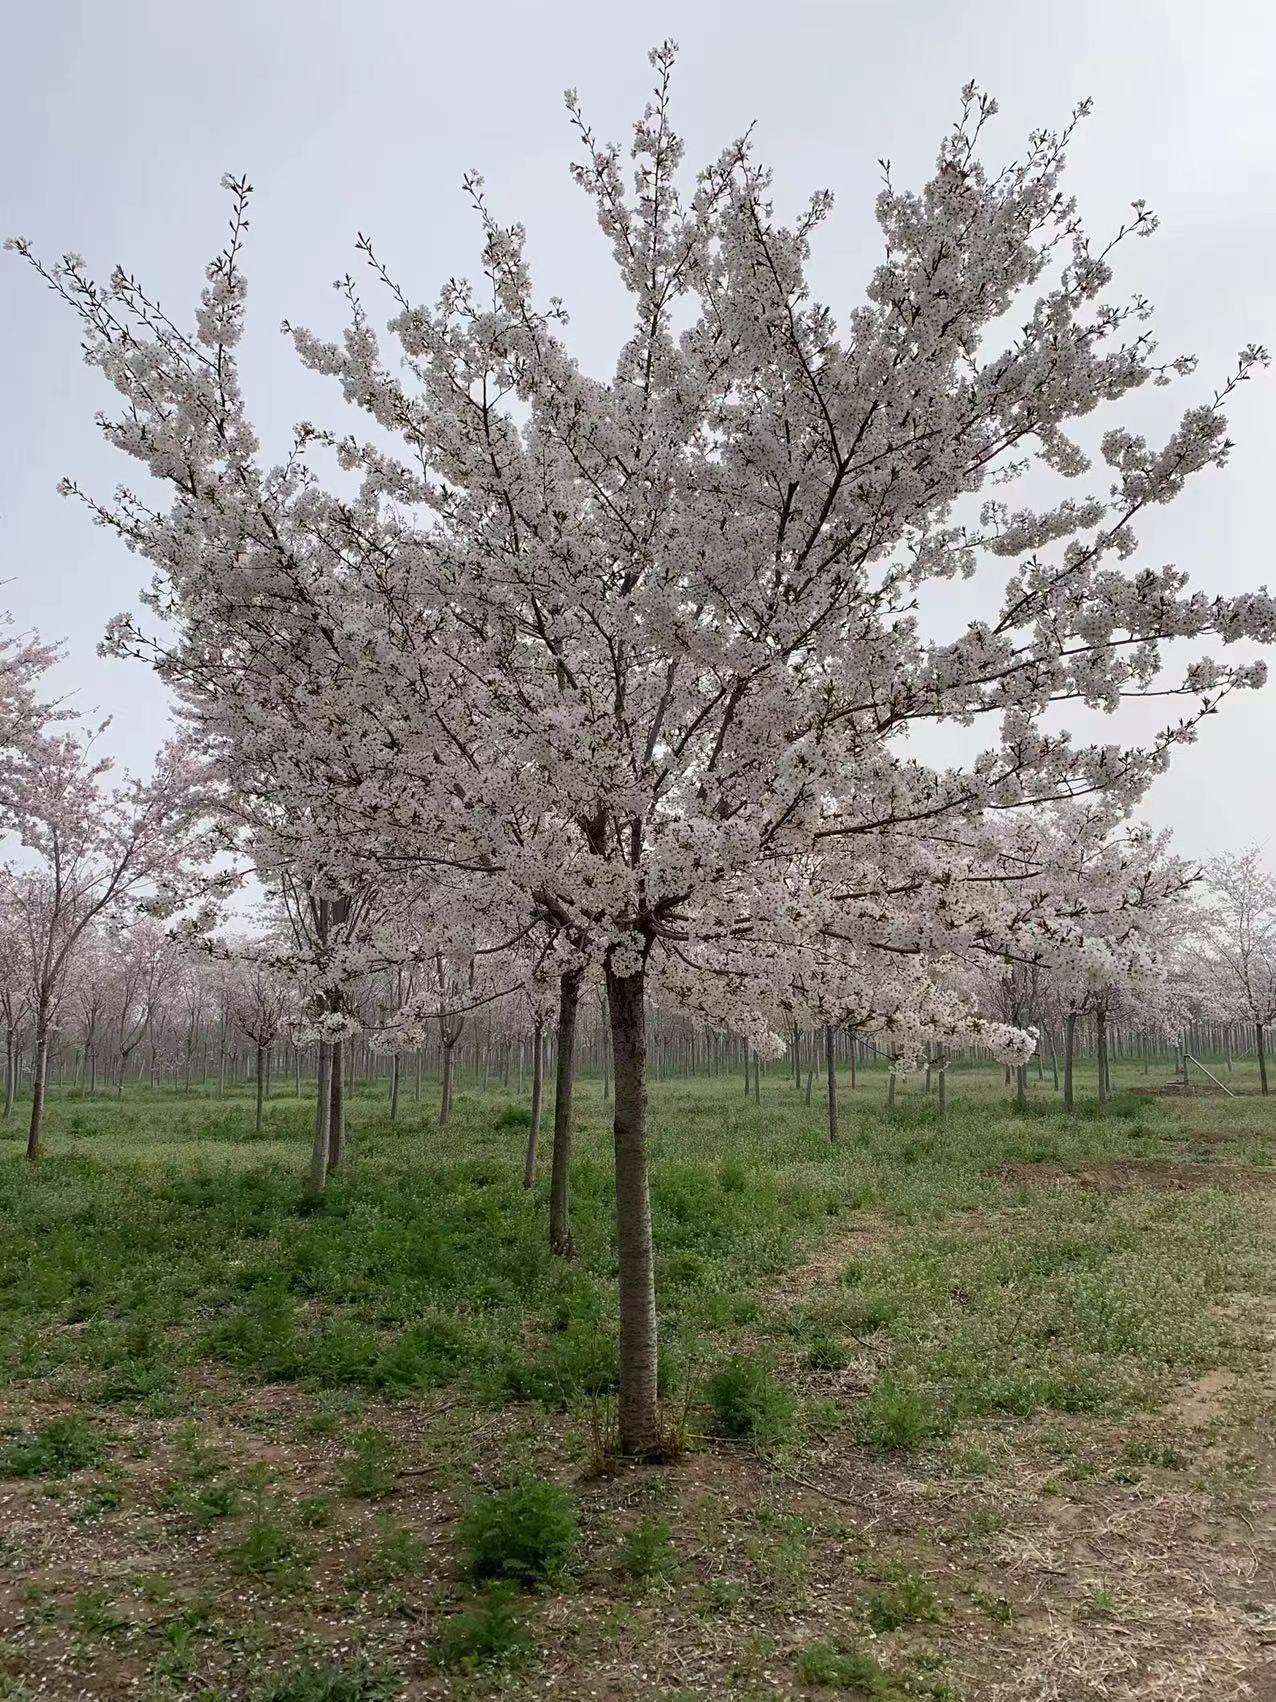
(829, 1259)
(1120, 1173)
(93, 1599)
(1085, 1558)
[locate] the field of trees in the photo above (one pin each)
(971, 1407)
(632, 1105)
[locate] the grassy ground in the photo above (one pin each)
(974, 1410)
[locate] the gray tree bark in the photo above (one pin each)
(560, 1218)
(1262, 1055)
(39, 1069)
(323, 1114)
(1069, 1052)
(337, 1108)
(10, 1072)
(831, 1072)
(639, 1416)
(534, 1126)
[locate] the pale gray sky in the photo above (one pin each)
(118, 120)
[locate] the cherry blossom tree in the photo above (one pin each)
(1105, 900)
(259, 1008)
(101, 851)
(25, 713)
(142, 962)
(15, 976)
(631, 654)
(90, 992)
(195, 994)
(1240, 943)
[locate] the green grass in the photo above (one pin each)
(488, 1634)
(370, 1470)
(64, 1445)
(426, 1266)
(526, 1534)
(647, 1553)
(269, 1548)
(332, 1684)
(1082, 1301)
(396, 1553)
(748, 1403)
(852, 1670)
(903, 1597)
(166, 1284)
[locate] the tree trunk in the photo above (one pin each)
(1021, 1086)
(534, 1126)
(394, 1088)
(1101, 1050)
(261, 1084)
(941, 1077)
(639, 1417)
(1262, 1055)
(10, 1072)
(831, 1072)
(560, 1219)
(39, 1068)
(445, 1090)
(323, 1115)
(1069, 1051)
(337, 1114)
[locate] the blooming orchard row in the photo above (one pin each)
(560, 680)
(1147, 947)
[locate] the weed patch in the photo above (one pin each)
(526, 1534)
(488, 1634)
(747, 1403)
(63, 1446)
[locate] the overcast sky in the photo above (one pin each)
(119, 119)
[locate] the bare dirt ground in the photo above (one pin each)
(1140, 1173)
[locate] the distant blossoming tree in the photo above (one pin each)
(101, 851)
(1240, 943)
(24, 710)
